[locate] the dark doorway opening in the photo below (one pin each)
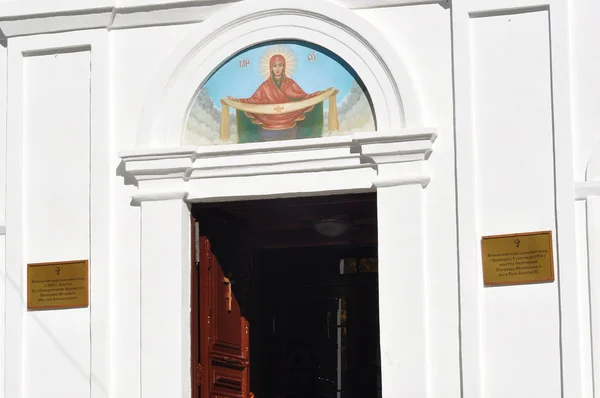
(284, 298)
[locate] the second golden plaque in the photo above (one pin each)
(517, 258)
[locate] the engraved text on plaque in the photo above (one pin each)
(517, 258)
(57, 285)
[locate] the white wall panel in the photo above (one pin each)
(3, 88)
(2, 319)
(586, 79)
(585, 288)
(514, 169)
(585, 64)
(429, 60)
(593, 240)
(56, 140)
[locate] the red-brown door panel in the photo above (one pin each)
(227, 317)
(226, 334)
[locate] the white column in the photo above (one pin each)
(401, 282)
(593, 244)
(165, 298)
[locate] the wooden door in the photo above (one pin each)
(223, 360)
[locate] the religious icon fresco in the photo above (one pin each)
(279, 91)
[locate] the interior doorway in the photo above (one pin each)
(284, 298)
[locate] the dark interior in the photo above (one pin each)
(310, 300)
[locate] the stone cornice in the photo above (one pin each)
(280, 157)
(586, 189)
(140, 197)
(408, 179)
(591, 185)
(21, 18)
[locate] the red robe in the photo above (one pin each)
(269, 93)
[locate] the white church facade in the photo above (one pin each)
(286, 198)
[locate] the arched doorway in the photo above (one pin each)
(171, 178)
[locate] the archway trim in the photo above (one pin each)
(257, 21)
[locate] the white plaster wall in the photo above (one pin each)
(429, 60)
(585, 63)
(136, 56)
(513, 170)
(54, 85)
(513, 331)
(50, 87)
(512, 92)
(427, 55)
(515, 173)
(57, 210)
(3, 82)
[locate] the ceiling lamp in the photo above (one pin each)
(331, 227)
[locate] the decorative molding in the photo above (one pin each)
(387, 150)
(33, 22)
(21, 18)
(591, 185)
(592, 170)
(586, 189)
(166, 14)
(140, 197)
(329, 164)
(280, 157)
(367, 4)
(388, 181)
(164, 174)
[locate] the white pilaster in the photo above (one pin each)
(589, 191)
(401, 282)
(165, 298)
(593, 241)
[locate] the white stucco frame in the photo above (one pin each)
(169, 177)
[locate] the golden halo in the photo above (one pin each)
(286, 52)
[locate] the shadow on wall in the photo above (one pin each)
(32, 315)
(128, 179)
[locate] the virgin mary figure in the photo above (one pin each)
(279, 123)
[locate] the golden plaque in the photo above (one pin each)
(57, 285)
(517, 258)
